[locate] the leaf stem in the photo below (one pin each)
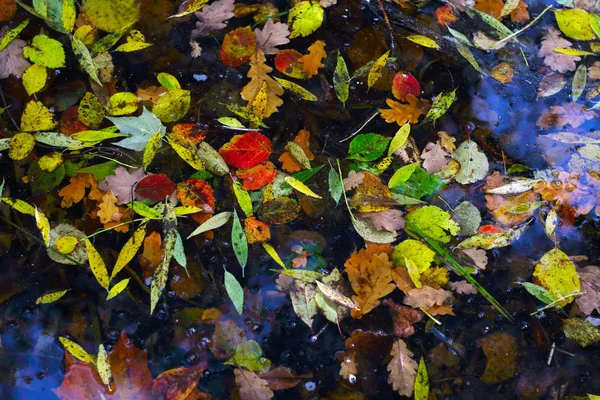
(111, 228)
(265, 19)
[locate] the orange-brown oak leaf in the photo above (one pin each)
(258, 75)
(289, 163)
(402, 113)
(312, 61)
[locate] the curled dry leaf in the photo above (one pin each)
(462, 287)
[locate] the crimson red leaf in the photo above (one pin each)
(258, 176)
(155, 187)
(405, 84)
(247, 150)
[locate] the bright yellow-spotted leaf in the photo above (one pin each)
(20, 205)
(135, 41)
(151, 149)
(50, 162)
(422, 381)
(34, 78)
(76, 350)
(91, 138)
(186, 210)
(103, 365)
(129, 250)
(187, 151)
(273, 253)
(117, 289)
(36, 117)
(66, 244)
(296, 89)
(97, 265)
(45, 51)
(423, 41)
(572, 52)
(556, 273)
(190, 7)
(305, 18)
(113, 15)
(301, 187)
(20, 146)
(69, 13)
(90, 111)
(123, 103)
(43, 225)
(376, 69)
(574, 23)
(51, 297)
(173, 105)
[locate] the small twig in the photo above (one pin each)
(6, 109)
(361, 127)
(522, 29)
(551, 353)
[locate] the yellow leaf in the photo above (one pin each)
(34, 78)
(66, 244)
(117, 289)
(423, 41)
(564, 50)
(51, 297)
(273, 253)
(151, 149)
(85, 34)
(112, 16)
(260, 102)
(376, 69)
(36, 117)
(45, 51)
(76, 350)
(129, 250)
(301, 187)
(50, 162)
(168, 81)
(556, 273)
(91, 112)
(187, 151)
(403, 113)
(185, 210)
(305, 18)
(91, 138)
(399, 139)
(103, 366)
(335, 296)
(574, 23)
(258, 75)
(312, 61)
(43, 225)
(173, 105)
(97, 265)
(295, 89)
(135, 41)
(20, 146)
(123, 103)
(20, 205)
(68, 15)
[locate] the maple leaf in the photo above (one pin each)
(155, 187)
(251, 386)
(462, 287)
(434, 157)
(558, 62)
(74, 192)
(353, 180)
(212, 17)
(258, 176)
(271, 35)
(573, 114)
(402, 368)
(388, 220)
(404, 317)
(290, 164)
(370, 274)
(108, 209)
(12, 61)
(247, 150)
(590, 287)
(258, 75)
(312, 61)
(426, 297)
(403, 113)
(122, 183)
(138, 129)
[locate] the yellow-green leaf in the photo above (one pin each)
(273, 253)
(36, 117)
(66, 244)
(243, 198)
(509, 7)
(123, 103)
(135, 41)
(85, 59)
(556, 273)
(144, 210)
(51, 297)
(117, 288)
(173, 105)
(376, 70)
(151, 149)
(94, 137)
(214, 222)
(129, 250)
(579, 81)
(305, 18)
(45, 51)
(85, 33)
(20, 205)
(423, 41)
(168, 81)
(76, 350)
(301, 187)
(572, 52)
(441, 104)
(399, 139)
(434, 222)
(34, 78)
(341, 79)
(295, 89)
(103, 365)
(20, 146)
(69, 13)
(335, 296)
(190, 7)
(574, 23)
(97, 265)
(402, 174)
(12, 34)
(298, 153)
(113, 15)
(232, 122)
(466, 53)
(187, 151)
(422, 380)
(186, 210)
(43, 225)
(91, 112)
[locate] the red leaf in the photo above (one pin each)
(237, 47)
(258, 176)
(289, 62)
(488, 229)
(196, 193)
(155, 187)
(192, 132)
(444, 15)
(247, 150)
(405, 84)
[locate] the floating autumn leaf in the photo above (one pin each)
(256, 231)
(558, 62)
(290, 163)
(312, 61)
(305, 18)
(123, 183)
(404, 317)
(387, 220)
(237, 47)
(434, 222)
(179, 383)
(573, 114)
(251, 386)
(12, 61)
(402, 368)
(434, 157)
(74, 192)
(272, 34)
(590, 287)
(405, 84)
(556, 273)
(426, 297)
(279, 211)
(474, 164)
(212, 17)
(368, 147)
(155, 187)
(371, 195)
(196, 193)
(289, 62)
(502, 206)
(444, 15)
(37, 117)
(45, 51)
(403, 113)
(258, 75)
(258, 176)
(501, 351)
(247, 150)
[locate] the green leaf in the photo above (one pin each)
(243, 198)
(139, 129)
(248, 354)
(434, 222)
(474, 164)
(45, 51)
(100, 171)
(368, 147)
(414, 250)
(305, 18)
(402, 175)
(335, 185)
(422, 382)
(42, 181)
(235, 292)
(168, 81)
(579, 81)
(399, 139)
(12, 34)
(419, 185)
(302, 295)
(441, 104)
(85, 59)
(179, 252)
(341, 79)
(239, 241)
(214, 222)
(539, 292)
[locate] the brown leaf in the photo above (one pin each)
(402, 368)
(281, 378)
(462, 287)
(312, 61)
(479, 256)
(500, 348)
(426, 297)
(251, 386)
(404, 317)
(74, 192)
(371, 195)
(558, 62)
(289, 163)
(152, 254)
(403, 113)
(388, 220)
(108, 209)
(226, 337)
(573, 114)
(434, 157)
(353, 180)
(590, 286)
(258, 75)
(178, 383)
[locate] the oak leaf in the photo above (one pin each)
(558, 62)
(426, 297)
(122, 183)
(478, 256)
(434, 157)
(312, 61)
(271, 35)
(447, 141)
(404, 317)
(353, 180)
(251, 386)
(388, 220)
(590, 287)
(258, 75)
(12, 61)
(108, 209)
(402, 368)
(289, 163)
(462, 287)
(403, 113)
(212, 17)
(74, 192)
(370, 274)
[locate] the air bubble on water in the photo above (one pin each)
(310, 386)
(352, 379)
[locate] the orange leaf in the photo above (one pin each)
(444, 15)
(520, 13)
(290, 164)
(490, 7)
(256, 231)
(289, 62)
(74, 192)
(312, 61)
(258, 74)
(152, 254)
(196, 193)
(178, 383)
(403, 113)
(237, 47)
(258, 176)
(370, 274)
(108, 209)
(188, 131)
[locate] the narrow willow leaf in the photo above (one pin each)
(214, 222)
(85, 59)
(273, 253)
(159, 280)
(97, 265)
(509, 7)
(43, 225)
(299, 155)
(235, 292)
(499, 28)
(594, 21)
(460, 37)
(57, 139)
(296, 89)
(399, 139)
(51, 297)
(551, 224)
(302, 176)
(422, 382)
(103, 365)
(341, 79)
(239, 242)
(525, 207)
(187, 151)
(572, 52)
(423, 41)
(335, 185)
(517, 187)
(376, 71)
(151, 149)
(20, 205)
(243, 198)
(179, 252)
(336, 296)
(301, 187)
(186, 210)
(302, 274)
(441, 104)
(539, 292)
(12, 34)
(117, 288)
(76, 350)
(231, 122)
(466, 53)
(144, 210)
(129, 250)
(579, 81)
